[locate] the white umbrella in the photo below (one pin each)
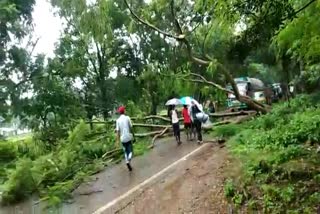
(173, 102)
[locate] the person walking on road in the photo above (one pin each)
(125, 135)
(193, 128)
(195, 109)
(173, 115)
(187, 122)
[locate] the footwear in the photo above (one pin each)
(129, 167)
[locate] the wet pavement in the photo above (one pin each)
(113, 181)
(194, 185)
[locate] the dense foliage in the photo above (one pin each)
(279, 164)
(55, 173)
(108, 56)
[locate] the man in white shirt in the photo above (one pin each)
(125, 135)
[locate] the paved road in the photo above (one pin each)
(114, 181)
(194, 185)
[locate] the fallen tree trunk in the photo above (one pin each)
(101, 122)
(147, 134)
(158, 117)
(228, 114)
(134, 119)
(237, 121)
(149, 125)
(158, 135)
(180, 37)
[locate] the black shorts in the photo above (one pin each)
(187, 125)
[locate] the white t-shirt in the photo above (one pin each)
(123, 126)
(174, 117)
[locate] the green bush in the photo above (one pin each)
(8, 151)
(227, 131)
(79, 133)
(54, 174)
(20, 183)
(278, 158)
(31, 148)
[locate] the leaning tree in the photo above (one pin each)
(261, 19)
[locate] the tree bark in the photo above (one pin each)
(228, 114)
(154, 106)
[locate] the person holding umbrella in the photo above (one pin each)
(195, 109)
(173, 115)
(186, 101)
(187, 122)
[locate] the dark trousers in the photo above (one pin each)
(176, 130)
(128, 151)
(198, 125)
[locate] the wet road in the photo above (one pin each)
(194, 185)
(114, 181)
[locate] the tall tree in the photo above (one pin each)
(297, 45)
(96, 37)
(15, 23)
(179, 26)
(181, 35)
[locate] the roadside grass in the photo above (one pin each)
(275, 167)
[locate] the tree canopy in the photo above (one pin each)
(116, 52)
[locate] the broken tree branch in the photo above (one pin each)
(158, 135)
(108, 153)
(300, 10)
(230, 114)
(150, 25)
(158, 117)
(148, 125)
(147, 134)
(182, 38)
(204, 80)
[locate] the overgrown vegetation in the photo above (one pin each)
(54, 174)
(276, 164)
(159, 50)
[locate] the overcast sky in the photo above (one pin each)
(47, 27)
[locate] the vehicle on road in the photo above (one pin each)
(251, 87)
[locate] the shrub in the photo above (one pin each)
(31, 148)
(277, 157)
(8, 151)
(20, 182)
(54, 174)
(79, 133)
(227, 131)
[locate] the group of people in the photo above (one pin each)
(192, 122)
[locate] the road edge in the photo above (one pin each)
(145, 182)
